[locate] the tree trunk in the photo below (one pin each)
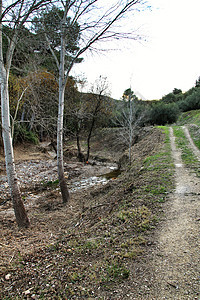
(53, 144)
(130, 129)
(88, 139)
(32, 121)
(20, 213)
(80, 155)
(61, 175)
(60, 163)
(23, 113)
(92, 124)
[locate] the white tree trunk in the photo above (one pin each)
(130, 123)
(20, 213)
(61, 175)
(60, 163)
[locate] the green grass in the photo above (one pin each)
(50, 184)
(189, 117)
(114, 271)
(187, 155)
(195, 134)
(161, 163)
(192, 119)
(183, 144)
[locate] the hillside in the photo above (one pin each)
(111, 241)
(190, 117)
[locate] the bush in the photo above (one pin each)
(176, 96)
(22, 134)
(169, 98)
(161, 114)
(191, 102)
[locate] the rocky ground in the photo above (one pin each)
(131, 237)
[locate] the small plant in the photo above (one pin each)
(50, 183)
(20, 258)
(125, 215)
(74, 276)
(90, 245)
(115, 271)
(132, 254)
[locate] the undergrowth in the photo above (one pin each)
(112, 231)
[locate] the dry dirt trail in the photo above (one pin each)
(176, 260)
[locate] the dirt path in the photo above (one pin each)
(176, 259)
(194, 148)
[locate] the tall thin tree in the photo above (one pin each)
(16, 15)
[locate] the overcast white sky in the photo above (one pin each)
(170, 58)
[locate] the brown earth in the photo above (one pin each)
(127, 239)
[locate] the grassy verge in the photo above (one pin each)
(187, 155)
(112, 232)
(192, 119)
(195, 134)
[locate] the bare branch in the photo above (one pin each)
(9, 8)
(52, 51)
(16, 111)
(102, 28)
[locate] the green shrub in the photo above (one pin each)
(176, 96)
(169, 98)
(22, 134)
(161, 114)
(191, 102)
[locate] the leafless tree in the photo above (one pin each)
(99, 104)
(98, 21)
(15, 15)
(129, 120)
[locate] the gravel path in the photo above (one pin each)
(176, 260)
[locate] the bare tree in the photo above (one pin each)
(41, 103)
(83, 24)
(98, 104)
(129, 119)
(16, 15)
(79, 116)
